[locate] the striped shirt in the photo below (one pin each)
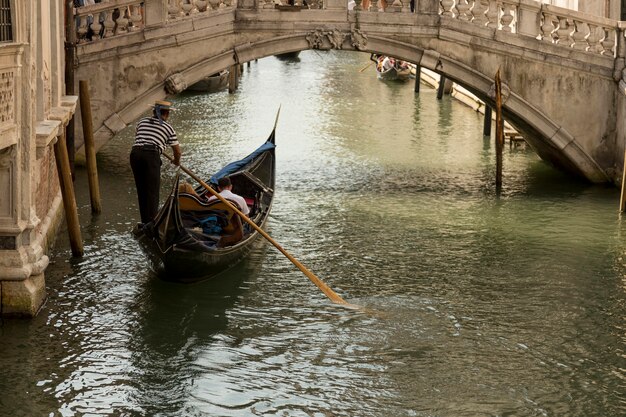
(150, 131)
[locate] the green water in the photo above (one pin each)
(479, 305)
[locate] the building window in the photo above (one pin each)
(6, 29)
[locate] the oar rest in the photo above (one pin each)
(232, 231)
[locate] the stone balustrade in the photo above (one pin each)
(108, 18)
(579, 31)
(555, 25)
(558, 26)
(177, 9)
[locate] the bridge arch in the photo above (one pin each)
(552, 142)
(146, 66)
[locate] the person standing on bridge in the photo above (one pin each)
(152, 135)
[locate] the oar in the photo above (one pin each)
(366, 67)
(333, 296)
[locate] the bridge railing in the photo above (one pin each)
(177, 9)
(578, 30)
(555, 25)
(108, 18)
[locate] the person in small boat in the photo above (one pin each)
(152, 135)
(225, 186)
(385, 63)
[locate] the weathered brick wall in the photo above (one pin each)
(47, 187)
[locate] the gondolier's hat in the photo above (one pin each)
(163, 105)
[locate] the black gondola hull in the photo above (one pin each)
(183, 264)
(179, 250)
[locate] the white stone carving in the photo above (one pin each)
(175, 83)
(316, 39)
(7, 97)
(358, 39)
(334, 39)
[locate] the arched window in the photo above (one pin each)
(6, 27)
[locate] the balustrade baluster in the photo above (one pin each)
(492, 14)
(447, 6)
(595, 35)
(480, 7)
(82, 29)
(121, 22)
(136, 18)
(202, 5)
(579, 36)
(109, 24)
(187, 7)
(373, 6)
(463, 8)
(396, 6)
(96, 27)
(507, 18)
(563, 32)
(174, 9)
(608, 43)
(548, 27)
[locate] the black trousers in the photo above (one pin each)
(146, 165)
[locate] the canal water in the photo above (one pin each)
(473, 304)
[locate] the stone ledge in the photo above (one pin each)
(46, 133)
(22, 288)
(22, 298)
(8, 136)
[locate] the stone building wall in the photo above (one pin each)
(34, 112)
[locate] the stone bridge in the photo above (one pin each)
(561, 69)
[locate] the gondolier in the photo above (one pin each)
(152, 135)
(192, 239)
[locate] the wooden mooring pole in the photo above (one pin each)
(499, 132)
(442, 83)
(622, 198)
(418, 74)
(90, 148)
(67, 192)
(487, 124)
(233, 78)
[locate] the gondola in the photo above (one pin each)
(212, 83)
(391, 69)
(289, 56)
(192, 239)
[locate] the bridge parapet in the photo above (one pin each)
(109, 18)
(563, 27)
(558, 63)
(558, 26)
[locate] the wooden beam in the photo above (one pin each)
(90, 148)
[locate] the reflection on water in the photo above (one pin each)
(490, 306)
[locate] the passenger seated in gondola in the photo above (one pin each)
(385, 63)
(185, 187)
(224, 186)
